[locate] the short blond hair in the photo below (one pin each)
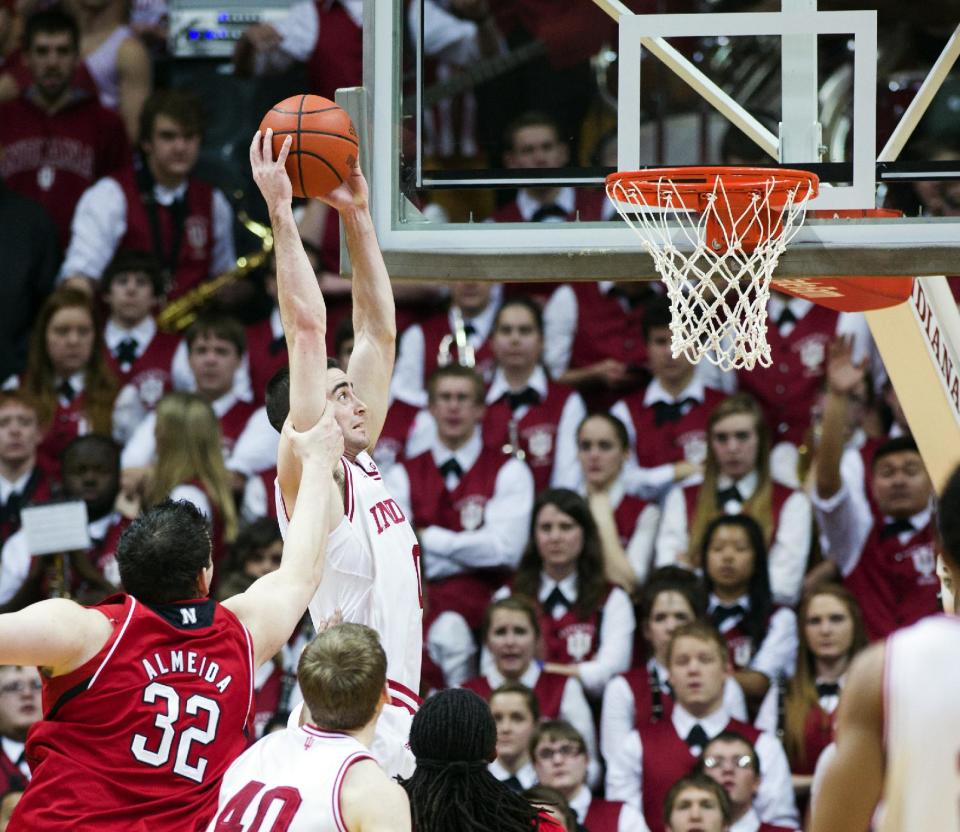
(342, 674)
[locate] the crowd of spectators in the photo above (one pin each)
(631, 557)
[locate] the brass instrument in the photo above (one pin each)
(177, 315)
(465, 353)
(512, 448)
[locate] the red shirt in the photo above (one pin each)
(138, 737)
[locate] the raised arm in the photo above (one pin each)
(374, 314)
(843, 376)
(274, 604)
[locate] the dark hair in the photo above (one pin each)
(277, 396)
(219, 326)
(556, 729)
(619, 428)
(342, 334)
(532, 118)
(181, 106)
(591, 584)
(453, 736)
(754, 622)
(730, 736)
(704, 783)
(673, 579)
(893, 446)
(541, 795)
(144, 262)
(260, 534)
(51, 21)
(524, 303)
(529, 697)
(103, 446)
(163, 551)
(656, 315)
(948, 519)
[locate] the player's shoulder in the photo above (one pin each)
(367, 792)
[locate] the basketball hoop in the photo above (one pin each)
(737, 222)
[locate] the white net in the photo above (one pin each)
(716, 252)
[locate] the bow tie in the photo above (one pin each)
(66, 391)
(277, 344)
(786, 317)
(697, 738)
(126, 351)
(721, 613)
(513, 783)
(11, 508)
(555, 599)
(827, 689)
(549, 213)
(451, 466)
(895, 527)
(671, 411)
(726, 495)
(526, 396)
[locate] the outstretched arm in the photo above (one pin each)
(374, 314)
(302, 309)
(843, 376)
(274, 604)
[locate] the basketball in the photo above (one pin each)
(324, 148)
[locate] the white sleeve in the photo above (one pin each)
(845, 521)
(299, 30)
(777, 653)
(224, 255)
(192, 494)
(641, 544)
(768, 715)
(559, 329)
(566, 467)
(625, 771)
(617, 716)
(617, 626)
(408, 381)
(790, 549)
(255, 496)
(99, 223)
(397, 483)
(501, 538)
(647, 483)
(575, 709)
(141, 448)
(446, 37)
(452, 648)
(631, 820)
(180, 372)
(14, 565)
(775, 802)
(256, 448)
(422, 435)
(673, 540)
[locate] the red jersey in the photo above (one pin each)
(266, 355)
(138, 737)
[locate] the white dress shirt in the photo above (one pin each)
(774, 801)
(630, 819)
(528, 204)
(615, 636)
(787, 558)
(499, 541)
(776, 655)
(566, 468)
(100, 221)
(750, 822)
(526, 774)
(141, 448)
(573, 708)
(142, 333)
(8, 487)
(618, 716)
(14, 751)
(451, 648)
(846, 520)
(408, 383)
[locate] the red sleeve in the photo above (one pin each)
(114, 147)
(548, 824)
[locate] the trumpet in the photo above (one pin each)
(465, 353)
(177, 315)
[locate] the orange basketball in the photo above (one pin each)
(325, 146)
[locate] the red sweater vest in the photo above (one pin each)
(781, 494)
(570, 638)
(626, 516)
(605, 329)
(196, 246)
(66, 425)
(548, 690)
(536, 431)
(264, 356)
(603, 816)
(685, 439)
(638, 678)
(787, 388)
(392, 441)
(337, 58)
(666, 759)
(150, 373)
(233, 422)
(817, 735)
(740, 646)
(37, 490)
(435, 329)
(896, 584)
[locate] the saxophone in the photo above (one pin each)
(177, 315)
(458, 338)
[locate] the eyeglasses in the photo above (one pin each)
(545, 755)
(21, 687)
(743, 761)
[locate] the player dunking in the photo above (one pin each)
(147, 697)
(898, 732)
(373, 572)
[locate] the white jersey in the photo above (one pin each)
(373, 574)
(288, 780)
(922, 727)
